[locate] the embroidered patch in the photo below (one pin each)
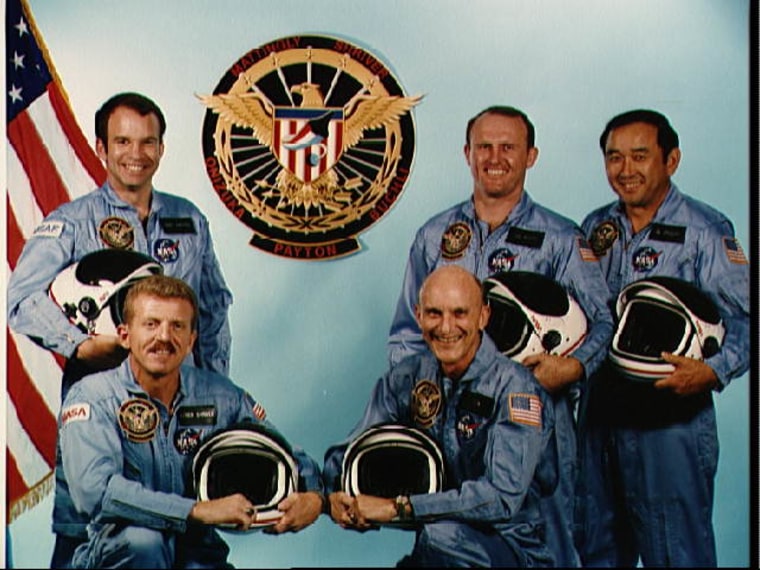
(426, 403)
(528, 238)
(75, 413)
(187, 440)
(525, 409)
(259, 412)
(196, 415)
(455, 240)
(501, 260)
(467, 426)
(587, 254)
(734, 250)
(603, 236)
(117, 233)
(177, 225)
(138, 419)
(166, 250)
(662, 232)
(645, 258)
(48, 229)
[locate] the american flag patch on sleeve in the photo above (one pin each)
(734, 251)
(525, 409)
(587, 254)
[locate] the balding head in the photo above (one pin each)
(451, 314)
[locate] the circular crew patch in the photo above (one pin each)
(603, 236)
(426, 403)
(117, 233)
(138, 419)
(455, 240)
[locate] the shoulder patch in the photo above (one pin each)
(75, 413)
(587, 254)
(734, 250)
(525, 409)
(48, 229)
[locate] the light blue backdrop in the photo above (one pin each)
(309, 337)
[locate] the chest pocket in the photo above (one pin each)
(666, 251)
(473, 415)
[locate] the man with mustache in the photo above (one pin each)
(125, 213)
(128, 436)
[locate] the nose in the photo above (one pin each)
(446, 323)
(626, 167)
(162, 331)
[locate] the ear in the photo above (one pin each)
(466, 150)
(122, 331)
(672, 162)
(161, 150)
(100, 148)
(418, 315)
(532, 156)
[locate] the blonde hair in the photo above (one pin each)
(163, 287)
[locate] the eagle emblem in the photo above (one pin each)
(308, 141)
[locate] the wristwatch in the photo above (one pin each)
(403, 508)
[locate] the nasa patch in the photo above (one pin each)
(467, 426)
(187, 440)
(501, 260)
(645, 258)
(75, 413)
(166, 250)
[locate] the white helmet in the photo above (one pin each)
(250, 459)
(532, 314)
(91, 291)
(390, 460)
(663, 314)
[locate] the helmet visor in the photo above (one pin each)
(650, 328)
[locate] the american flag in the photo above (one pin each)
(49, 161)
(734, 251)
(525, 409)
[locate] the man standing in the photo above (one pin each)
(650, 450)
(494, 424)
(501, 228)
(128, 436)
(125, 213)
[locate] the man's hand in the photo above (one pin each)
(554, 372)
(690, 377)
(346, 511)
(101, 351)
(299, 511)
(234, 509)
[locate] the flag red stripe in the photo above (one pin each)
(15, 485)
(14, 236)
(47, 186)
(32, 411)
(84, 153)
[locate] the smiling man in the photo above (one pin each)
(650, 449)
(127, 212)
(500, 228)
(494, 424)
(129, 434)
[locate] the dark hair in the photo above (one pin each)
(163, 287)
(505, 111)
(667, 138)
(134, 101)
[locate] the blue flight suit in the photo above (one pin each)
(128, 462)
(497, 450)
(533, 238)
(176, 234)
(649, 457)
